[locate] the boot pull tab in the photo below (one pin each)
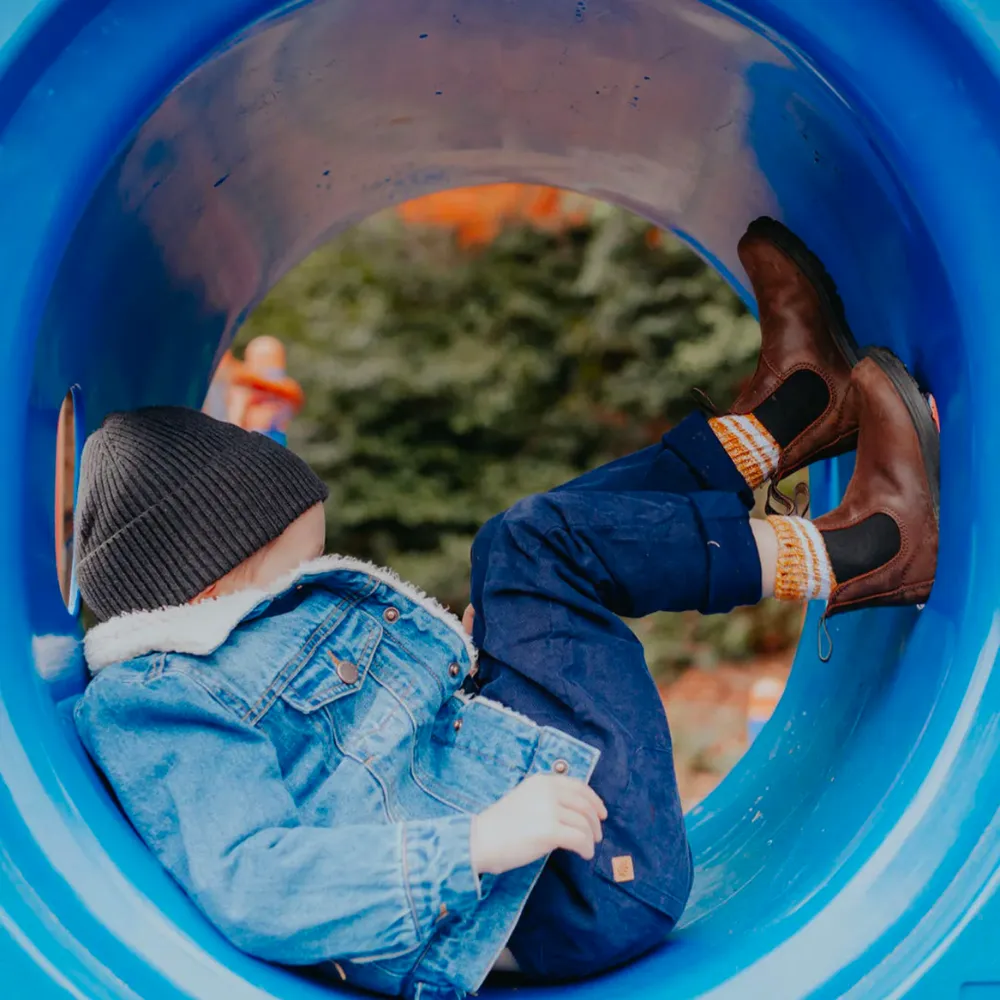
(824, 632)
(785, 506)
(777, 503)
(801, 498)
(704, 402)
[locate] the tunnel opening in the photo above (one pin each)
(684, 113)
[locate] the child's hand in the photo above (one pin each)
(544, 812)
(468, 617)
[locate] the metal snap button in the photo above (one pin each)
(390, 615)
(346, 671)
(454, 670)
(457, 725)
(560, 766)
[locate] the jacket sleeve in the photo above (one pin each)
(205, 791)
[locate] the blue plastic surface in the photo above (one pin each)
(163, 162)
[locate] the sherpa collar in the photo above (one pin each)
(200, 629)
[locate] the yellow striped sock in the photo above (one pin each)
(804, 572)
(753, 451)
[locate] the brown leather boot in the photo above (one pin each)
(883, 538)
(803, 329)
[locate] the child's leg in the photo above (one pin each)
(562, 568)
(731, 454)
(690, 458)
(550, 578)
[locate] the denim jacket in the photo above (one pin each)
(305, 762)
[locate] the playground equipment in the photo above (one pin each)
(477, 214)
(163, 163)
(256, 393)
(65, 496)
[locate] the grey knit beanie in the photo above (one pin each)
(170, 500)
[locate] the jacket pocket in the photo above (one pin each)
(336, 668)
(645, 848)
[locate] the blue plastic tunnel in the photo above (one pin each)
(164, 162)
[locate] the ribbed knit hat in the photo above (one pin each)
(171, 500)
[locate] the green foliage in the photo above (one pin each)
(674, 642)
(442, 385)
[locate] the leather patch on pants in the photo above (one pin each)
(622, 868)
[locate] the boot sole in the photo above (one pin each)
(920, 416)
(811, 266)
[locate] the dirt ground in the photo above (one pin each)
(707, 710)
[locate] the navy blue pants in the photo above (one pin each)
(666, 529)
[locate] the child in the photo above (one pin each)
(308, 745)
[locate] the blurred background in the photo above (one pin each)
(444, 359)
